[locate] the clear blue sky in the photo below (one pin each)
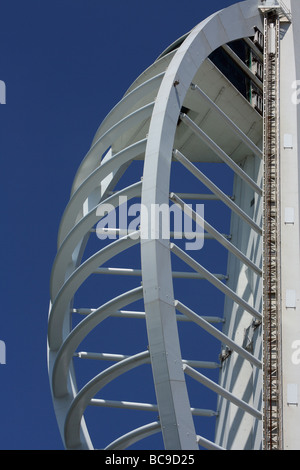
(65, 63)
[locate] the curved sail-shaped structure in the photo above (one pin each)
(160, 276)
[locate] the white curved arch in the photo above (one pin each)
(134, 436)
(235, 22)
(66, 352)
(64, 255)
(150, 76)
(160, 65)
(92, 181)
(75, 413)
(93, 157)
(62, 377)
(66, 293)
(129, 103)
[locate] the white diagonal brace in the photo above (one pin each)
(134, 436)
(211, 278)
(210, 185)
(217, 334)
(222, 391)
(217, 235)
(251, 145)
(209, 445)
(218, 151)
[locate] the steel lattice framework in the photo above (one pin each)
(272, 340)
(182, 116)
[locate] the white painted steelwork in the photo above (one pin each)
(289, 198)
(183, 117)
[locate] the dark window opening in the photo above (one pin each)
(230, 69)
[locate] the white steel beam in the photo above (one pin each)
(84, 396)
(91, 160)
(134, 436)
(244, 138)
(199, 196)
(129, 405)
(217, 334)
(221, 391)
(217, 191)
(62, 301)
(120, 357)
(67, 250)
(218, 236)
(74, 206)
(123, 232)
(141, 315)
(207, 444)
(125, 105)
(210, 277)
(66, 352)
(138, 272)
(218, 151)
